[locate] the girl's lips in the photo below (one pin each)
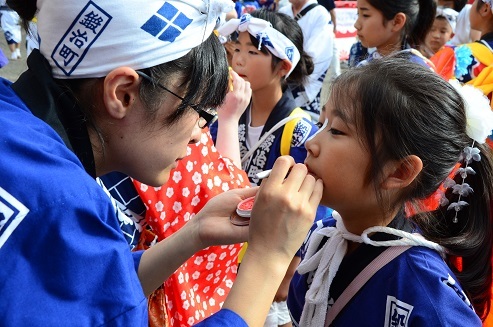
(310, 172)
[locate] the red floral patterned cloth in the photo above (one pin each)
(200, 286)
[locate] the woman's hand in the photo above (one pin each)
(212, 225)
(284, 210)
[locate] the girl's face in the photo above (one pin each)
(337, 156)
(373, 31)
(439, 34)
(148, 150)
(253, 65)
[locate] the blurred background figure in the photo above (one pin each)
(11, 27)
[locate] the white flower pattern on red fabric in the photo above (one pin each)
(203, 282)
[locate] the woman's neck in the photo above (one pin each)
(263, 103)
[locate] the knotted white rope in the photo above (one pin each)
(326, 261)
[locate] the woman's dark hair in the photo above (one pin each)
(400, 109)
(290, 28)
(420, 15)
(202, 76)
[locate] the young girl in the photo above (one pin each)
(390, 26)
(268, 65)
(388, 143)
(278, 58)
(90, 104)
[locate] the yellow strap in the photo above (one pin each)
(484, 81)
(481, 52)
(287, 133)
(242, 252)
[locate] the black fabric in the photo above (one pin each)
(283, 109)
(56, 106)
(304, 11)
(355, 262)
(487, 37)
(327, 4)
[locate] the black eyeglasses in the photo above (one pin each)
(206, 116)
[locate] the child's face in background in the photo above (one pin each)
(337, 156)
(439, 34)
(252, 64)
(372, 29)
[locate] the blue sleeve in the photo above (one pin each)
(223, 317)
(213, 128)
(137, 255)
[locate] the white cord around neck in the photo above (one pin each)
(326, 261)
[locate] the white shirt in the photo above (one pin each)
(318, 34)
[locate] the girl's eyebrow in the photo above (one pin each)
(340, 114)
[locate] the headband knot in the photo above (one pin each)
(276, 42)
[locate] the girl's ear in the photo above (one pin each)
(399, 174)
(121, 88)
(285, 67)
(398, 22)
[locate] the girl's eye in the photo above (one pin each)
(334, 131)
(252, 52)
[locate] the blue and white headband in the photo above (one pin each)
(449, 14)
(276, 42)
(85, 39)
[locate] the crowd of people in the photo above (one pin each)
(136, 132)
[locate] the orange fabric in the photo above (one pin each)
(444, 61)
(200, 286)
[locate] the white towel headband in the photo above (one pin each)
(449, 14)
(276, 42)
(83, 39)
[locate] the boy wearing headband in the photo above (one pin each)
(442, 30)
(90, 104)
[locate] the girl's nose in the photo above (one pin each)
(357, 25)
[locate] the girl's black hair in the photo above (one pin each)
(420, 15)
(290, 28)
(400, 109)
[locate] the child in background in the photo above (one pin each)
(390, 26)
(368, 179)
(441, 31)
(268, 65)
(10, 23)
(471, 63)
